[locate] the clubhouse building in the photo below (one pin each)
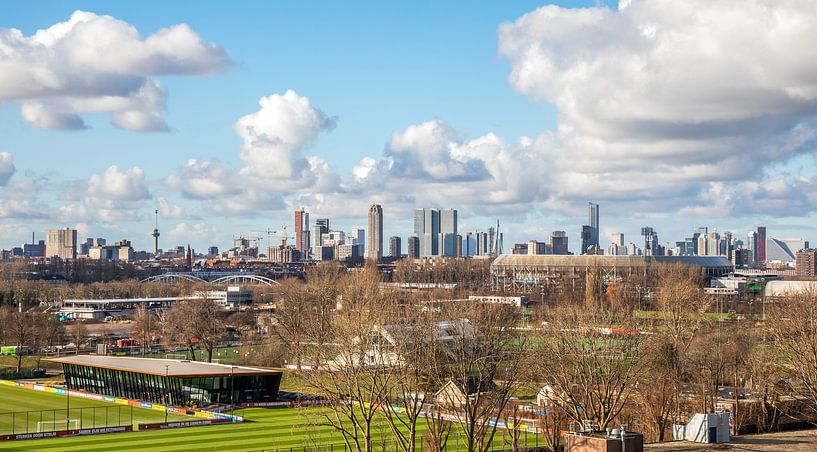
(170, 382)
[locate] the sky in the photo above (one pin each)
(227, 117)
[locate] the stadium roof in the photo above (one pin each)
(171, 367)
(554, 260)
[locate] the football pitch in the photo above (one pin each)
(49, 409)
(264, 429)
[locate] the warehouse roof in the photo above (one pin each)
(171, 367)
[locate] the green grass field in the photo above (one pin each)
(267, 429)
(37, 404)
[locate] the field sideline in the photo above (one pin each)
(264, 429)
(14, 399)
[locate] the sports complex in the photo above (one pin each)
(96, 413)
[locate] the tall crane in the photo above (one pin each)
(275, 234)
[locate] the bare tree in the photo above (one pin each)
(145, 324)
(792, 327)
(79, 333)
(483, 356)
(592, 360)
(680, 305)
(354, 373)
(196, 322)
(409, 334)
(21, 330)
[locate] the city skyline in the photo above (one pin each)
(175, 130)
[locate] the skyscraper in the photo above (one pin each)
(751, 243)
(587, 236)
(413, 247)
(430, 225)
(358, 237)
(761, 245)
(321, 227)
(593, 221)
(394, 247)
(558, 242)
(302, 232)
(374, 249)
(448, 231)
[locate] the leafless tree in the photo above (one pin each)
(145, 325)
(196, 322)
(592, 360)
(483, 356)
(680, 304)
(354, 373)
(792, 329)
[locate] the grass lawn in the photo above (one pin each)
(267, 429)
(17, 400)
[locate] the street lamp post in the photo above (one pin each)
(231, 387)
(67, 403)
(165, 386)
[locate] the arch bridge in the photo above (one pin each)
(219, 280)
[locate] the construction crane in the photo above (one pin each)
(275, 234)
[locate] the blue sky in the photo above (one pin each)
(377, 69)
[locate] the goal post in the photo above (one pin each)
(66, 424)
(176, 356)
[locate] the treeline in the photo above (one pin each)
(376, 355)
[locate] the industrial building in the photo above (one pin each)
(61, 243)
(169, 382)
(233, 297)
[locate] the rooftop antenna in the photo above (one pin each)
(156, 235)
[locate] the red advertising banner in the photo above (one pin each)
(183, 424)
(75, 432)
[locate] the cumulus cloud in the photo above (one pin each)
(654, 89)
(116, 185)
(273, 161)
(442, 167)
(99, 64)
(7, 168)
(276, 135)
(204, 179)
(197, 230)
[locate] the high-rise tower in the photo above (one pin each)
(593, 221)
(761, 244)
(374, 249)
(156, 235)
(302, 232)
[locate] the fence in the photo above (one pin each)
(22, 422)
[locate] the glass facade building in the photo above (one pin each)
(175, 383)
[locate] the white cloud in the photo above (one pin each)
(426, 151)
(274, 165)
(99, 64)
(656, 101)
(116, 185)
(198, 230)
(204, 179)
(7, 168)
(443, 168)
(276, 135)
(169, 210)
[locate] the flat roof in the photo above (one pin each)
(585, 260)
(172, 367)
